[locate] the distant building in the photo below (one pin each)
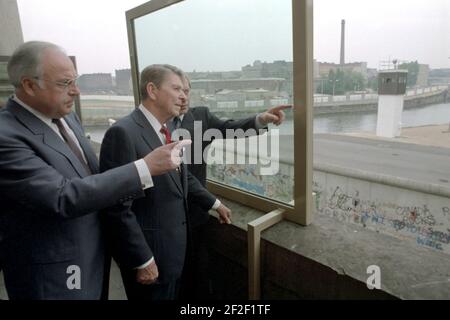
(10, 38)
(216, 75)
(322, 70)
(372, 73)
(124, 85)
(214, 86)
(316, 69)
(252, 71)
(240, 93)
(6, 89)
(242, 99)
(358, 67)
(277, 69)
(423, 75)
(96, 83)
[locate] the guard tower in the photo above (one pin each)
(391, 92)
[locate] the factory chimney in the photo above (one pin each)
(342, 62)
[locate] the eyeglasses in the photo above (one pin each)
(63, 84)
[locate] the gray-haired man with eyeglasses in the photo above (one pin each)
(51, 244)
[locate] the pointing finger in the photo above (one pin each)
(282, 107)
(179, 144)
(183, 143)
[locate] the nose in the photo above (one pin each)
(183, 97)
(74, 90)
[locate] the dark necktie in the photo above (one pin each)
(166, 133)
(72, 145)
(174, 124)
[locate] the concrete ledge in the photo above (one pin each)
(326, 260)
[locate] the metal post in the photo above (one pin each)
(255, 228)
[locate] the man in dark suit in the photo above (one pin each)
(161, 215)
(195, 280)
(51, 244)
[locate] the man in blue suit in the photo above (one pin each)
(51, 244)
(162, 213)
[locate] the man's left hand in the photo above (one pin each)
(274, 115)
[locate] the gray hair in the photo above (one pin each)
(26, 61)
(156, 74)
(188, 80)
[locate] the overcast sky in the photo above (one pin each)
(232, 33)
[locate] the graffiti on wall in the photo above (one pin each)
(428, 226)
(425, 222)
(247, 177)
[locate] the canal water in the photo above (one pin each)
(351, 122)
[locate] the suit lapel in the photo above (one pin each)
(50, 137)
(151, 138)
(188, 122)
(195, 149)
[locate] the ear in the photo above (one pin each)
(151, 90)
(27, 86)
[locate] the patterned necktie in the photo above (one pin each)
(166, 133)
(72, 145)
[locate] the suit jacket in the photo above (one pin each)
(49, 217)
(161, 215)
(199, 216)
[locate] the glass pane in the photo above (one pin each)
(238, 55)
(104, 100)
(382, 140)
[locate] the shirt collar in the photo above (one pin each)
(39, 115)
(151, 119)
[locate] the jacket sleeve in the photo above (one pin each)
(124, 235)
(29, 181)
(214, 122)
(199, 194)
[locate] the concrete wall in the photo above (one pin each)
(11, 31)
(419, 213)
(421, 217)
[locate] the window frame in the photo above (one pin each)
(301, 211)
